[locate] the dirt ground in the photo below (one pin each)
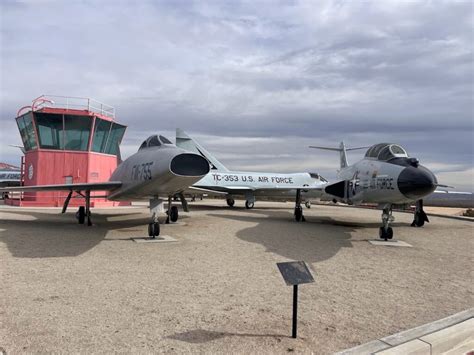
(72, 288)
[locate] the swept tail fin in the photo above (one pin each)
(342, 151)
(183, 140)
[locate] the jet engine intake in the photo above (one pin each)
(189, 164)
(416, 182)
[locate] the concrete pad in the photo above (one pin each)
(160, 239)
(450, 338)
(414, 347)
(390, 243)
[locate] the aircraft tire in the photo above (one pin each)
(230, 202)
(81, 214)
(298, 214)
(419, 220)
(382, 233)
(389, 233)
(249, 205)
(308, 204)
(156, 229)
(386, 234)
(174, 214)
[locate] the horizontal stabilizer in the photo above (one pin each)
(444, 186)
(337, 149)
(342, 152)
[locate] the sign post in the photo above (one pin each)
(295, 273)
(295, 311)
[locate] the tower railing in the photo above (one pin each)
(73, 103)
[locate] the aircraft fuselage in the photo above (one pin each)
(157, 171)
(373, 181)
(260, 184)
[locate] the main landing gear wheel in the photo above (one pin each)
(230, 202)
(174, 214)
(420, 216)
(308, 204)
(81, 214)
(249, 205)
(153, 229)
(386, 234)
(298, 213)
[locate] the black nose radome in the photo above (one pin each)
(189, 164)
(416, 182)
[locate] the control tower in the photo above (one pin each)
(67, 140)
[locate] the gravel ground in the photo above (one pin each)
(71, 288)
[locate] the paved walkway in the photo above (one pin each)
(451, 335)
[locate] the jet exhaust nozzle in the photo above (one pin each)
(189, 164)
(416, 182)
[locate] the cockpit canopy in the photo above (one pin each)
(386, 151)
(317, 177)
(155, 141)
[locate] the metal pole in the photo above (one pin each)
(295, 310)
(88, 207)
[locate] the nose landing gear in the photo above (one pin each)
(156, 206)
(154, 227)
(386, 232)
(298, 208)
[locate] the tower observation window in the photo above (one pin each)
(27, 132)
(50, 130)
(115, 137)
(101, 133)
(107, 136)
(77, 131)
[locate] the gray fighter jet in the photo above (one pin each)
(228, 184)
(386, 176)
(157, 171)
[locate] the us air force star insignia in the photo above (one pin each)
(355, 182)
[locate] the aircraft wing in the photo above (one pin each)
(97, 186)
(190, 190)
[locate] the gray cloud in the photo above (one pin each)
(299, 73)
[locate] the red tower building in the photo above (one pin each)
(67, 140)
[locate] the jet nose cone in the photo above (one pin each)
(416, 182)
(189, 164)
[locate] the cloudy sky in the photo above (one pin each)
(256, 82)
